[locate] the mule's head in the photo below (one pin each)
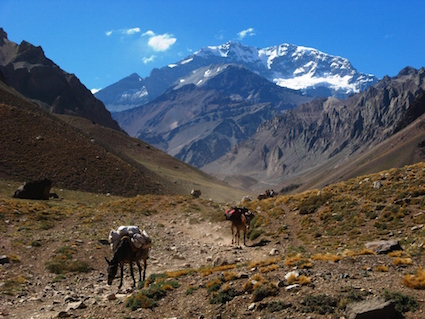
(229, 213)
(112, 271)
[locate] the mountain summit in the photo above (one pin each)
(295, 67)
(313, 72)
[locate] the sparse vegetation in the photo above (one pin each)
(415, 281)
(277, 221)
(402, 303)
(149, 297)
(62, 262)
(321, 304)
(13, 285)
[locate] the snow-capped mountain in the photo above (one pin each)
(296, 67)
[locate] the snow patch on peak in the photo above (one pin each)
(289, 65)
(186, 61)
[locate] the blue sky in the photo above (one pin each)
(104, 41)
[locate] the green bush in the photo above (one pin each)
(148, 297)
(321, 304)
(222, 297)
(402, 303)
(264, 291)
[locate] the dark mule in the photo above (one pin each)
(241, 220)
(126, 253)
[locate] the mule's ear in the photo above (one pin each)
(107, 261)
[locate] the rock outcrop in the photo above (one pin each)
(27, 69)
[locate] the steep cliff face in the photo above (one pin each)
(30, 72)
(326, 129)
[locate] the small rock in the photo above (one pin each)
(294, 273)
(290, 287)
(251, 306)
(219, 261)
(76, 305)
(63, 314)
(4, 260)
(111, 297)
(274, 252)
(417, 227)
(377, 184)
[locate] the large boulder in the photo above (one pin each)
(39, 189)
(372, 309)
(383, 246)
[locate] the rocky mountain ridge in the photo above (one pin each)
(27, 69)
(296, 67)
(203, 119)
(325, 130)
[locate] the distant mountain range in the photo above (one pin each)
(200, 123)
(312, 72)
(217, 97)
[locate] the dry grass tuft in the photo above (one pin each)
(230, 275)
(397, 253)
(206, 271)
(400, 261)
(264, 263)
(327, 257)
(416, 281)
(269, 268)
(292, 261)
(178, 273)
(382, 268)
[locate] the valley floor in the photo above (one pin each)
(192, 249)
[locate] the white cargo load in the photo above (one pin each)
(140, 239)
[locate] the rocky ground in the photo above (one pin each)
(191, 242)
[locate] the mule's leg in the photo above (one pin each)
(244, 235)
(140, 270)
(232, 233)
(144, 268)
(132, 273)
(122, 274)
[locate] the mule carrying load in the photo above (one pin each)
(129, 245)
(139, 239)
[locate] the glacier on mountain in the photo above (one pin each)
(288, 65)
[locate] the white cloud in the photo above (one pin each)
(148, 33)
(94, 91)
(150, 59)
(160, 42)
(129, 31)
(248, 32)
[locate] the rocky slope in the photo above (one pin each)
(30, 72)
(77, 154)
(200, 119)
(326, 131)
(305, 255)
